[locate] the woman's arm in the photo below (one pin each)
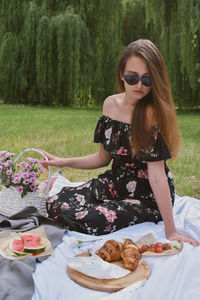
(93, 161)
(160, 188)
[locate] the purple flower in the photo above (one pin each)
(9, 155)
(41, 168)
(32, 179)
(24, 175)
(33, 160)
(16, 180)
(32, 174)
(28, 167)
(36, 160)
(17, 175)
(7, 163)
(20, 173)
(8, 172)
(33, 187)
(19, 189)
(2, 153)
(26, 181)
(30, 159)
(22, 164)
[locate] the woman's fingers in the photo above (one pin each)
(49, 156)
(53, 161)
(182, 238)
(193, 242)
(44, 163)
(43, 151)
(50, 159)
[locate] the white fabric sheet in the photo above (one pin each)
(175, 277)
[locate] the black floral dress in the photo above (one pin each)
(119, 197)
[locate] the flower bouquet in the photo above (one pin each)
(20, 183)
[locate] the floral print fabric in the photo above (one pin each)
(121, 196)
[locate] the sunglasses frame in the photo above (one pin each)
(146, 81)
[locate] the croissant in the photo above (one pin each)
(129, 244)
(110, 251)
(131, 255)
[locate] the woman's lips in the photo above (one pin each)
(138, 92)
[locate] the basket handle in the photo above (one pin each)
(40, 152)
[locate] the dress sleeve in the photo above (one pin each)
(158, 150)
(103, 133)
(99, 133)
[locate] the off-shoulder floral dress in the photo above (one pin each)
(121, 196)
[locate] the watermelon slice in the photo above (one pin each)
(31, 246)
(17, 246)
(27, 244)
(37, 253)
(30, 237)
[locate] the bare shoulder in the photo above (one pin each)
(150, 117)
(111, 103)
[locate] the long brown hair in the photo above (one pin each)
(159, 100)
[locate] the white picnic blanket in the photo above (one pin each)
(175, 277)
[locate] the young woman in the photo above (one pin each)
(138, 132)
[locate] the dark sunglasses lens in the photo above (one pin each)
(131, 79)
(146, 81)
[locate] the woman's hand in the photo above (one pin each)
(91, 161)
(53, 161)
(160, 187)
(182, 238)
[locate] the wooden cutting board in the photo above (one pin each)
(110, 285)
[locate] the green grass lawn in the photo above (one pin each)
(69, 132)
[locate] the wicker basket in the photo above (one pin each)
(11, 201)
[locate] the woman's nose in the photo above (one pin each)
(139, 84)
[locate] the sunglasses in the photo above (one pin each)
(132, 80)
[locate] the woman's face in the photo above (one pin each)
(136, 66)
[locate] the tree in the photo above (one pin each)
(104, 23)
(134, 21)
(178, 22)
(42, 57)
